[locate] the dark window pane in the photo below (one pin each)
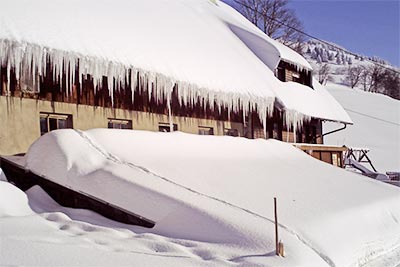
(206, 131)
(275, 131)
(281, 74)
(165, 127)
(231, 132)
(43, 126)
(119, 124)
(62, 124)
(125, 126)
(53, 124)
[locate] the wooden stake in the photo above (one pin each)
(276, 228)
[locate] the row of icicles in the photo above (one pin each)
(30, 61)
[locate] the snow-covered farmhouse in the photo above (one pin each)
(195, 66)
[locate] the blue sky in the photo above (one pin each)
(367, 27)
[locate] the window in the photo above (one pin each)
(52, 121)
(119, 124)
(206, 130)
(231, 132)
(311, 134)
(280, 73)
(275, 131)
(165, 127)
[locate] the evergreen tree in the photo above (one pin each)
(331, 56)
(339, 60)
(350, 61)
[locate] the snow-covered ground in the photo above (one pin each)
(211, 198)
(376, 126)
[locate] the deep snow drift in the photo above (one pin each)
(217, 192)
(376, 126)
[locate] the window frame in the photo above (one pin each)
(167, 127)
(115, 121)
(204, 129)
(67, 118)
(228, 132)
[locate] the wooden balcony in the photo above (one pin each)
(329, 154)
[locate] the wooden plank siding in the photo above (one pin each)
(287, 72)
(139, 100)
(329, 154)
(87, 94)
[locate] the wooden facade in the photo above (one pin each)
(144, 100)
(329, 154)
(287, 72)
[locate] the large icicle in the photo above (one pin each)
(294, 120)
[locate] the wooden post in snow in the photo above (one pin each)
(276, 229)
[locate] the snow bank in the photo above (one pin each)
(376, 126)
(177, 47)
(13, 202)
(2, 176)
(220, 189)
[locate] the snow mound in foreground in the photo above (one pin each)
(2, 176)
(220, 189)
(13, 202)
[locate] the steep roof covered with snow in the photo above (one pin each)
(266, 49)
(313, 102)
(208, 49)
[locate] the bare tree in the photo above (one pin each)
(324, 73)
(251, 10)
(354, 75)
(391, 84)
(376, 73)
(365, 79)
(270, 16)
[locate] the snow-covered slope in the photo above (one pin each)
(338, 59)
(376, 126)
(218, 191)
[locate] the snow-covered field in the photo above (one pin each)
(376, 126)
(211, 198)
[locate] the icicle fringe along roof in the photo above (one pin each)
(29, 60)
(204, 56)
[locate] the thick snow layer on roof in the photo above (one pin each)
(291, 56)
(267, 49)
(300, 100)
(184, 41)
(208, 49)
(219, 190)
